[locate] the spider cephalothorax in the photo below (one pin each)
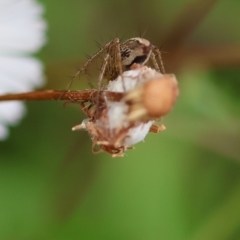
(135, 50)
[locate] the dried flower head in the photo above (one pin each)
(116, 126)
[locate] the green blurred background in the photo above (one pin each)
(183, 183)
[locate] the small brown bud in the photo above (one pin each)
(160, 95)
(153, 99)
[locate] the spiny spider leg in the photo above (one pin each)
(102, 71)
(158, 53)
(88, 63)
(100, 79)
(154, 61)
(119, 63)
(119, 57)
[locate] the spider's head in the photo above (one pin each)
(135, 50)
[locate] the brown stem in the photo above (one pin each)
(86, 95)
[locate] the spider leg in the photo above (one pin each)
(119, 61)
(85, 66)
(102, 71)
(158, 54)
(154, 61)
(86, 108)
(100, 79)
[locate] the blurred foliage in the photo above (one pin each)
(183, 183)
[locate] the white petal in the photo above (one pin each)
(3, 132)
(138, 134)
(131, 79)
(116, 114)
(117, 111)
(11, 112)
(19, 74)
(22, 29)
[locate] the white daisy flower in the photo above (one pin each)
(22, 32)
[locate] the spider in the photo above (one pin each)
(119, 57)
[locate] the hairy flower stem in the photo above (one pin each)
(73, 96)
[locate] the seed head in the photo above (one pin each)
(147, 96)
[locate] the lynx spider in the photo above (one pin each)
(119, 57)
